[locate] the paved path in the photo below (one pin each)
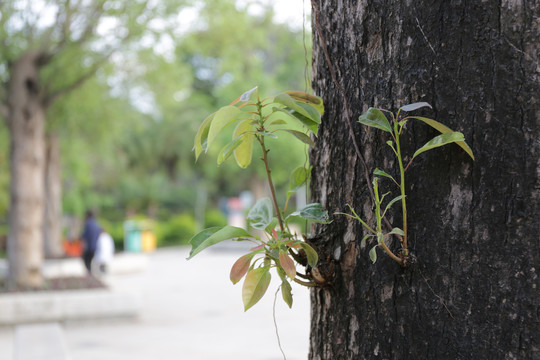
(191, 311)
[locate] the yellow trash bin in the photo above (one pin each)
(149, 241)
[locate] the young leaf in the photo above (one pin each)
(443, 129)
(286, 292)
(261, 214)
(222, 118)
(312, 256)
(373, 254)
(440, 140)
(301, 136)
(367, 237)
(243, 152)
(245, 96)
(397, 231)
(228, 150)
(241, 267)
(382, 173)
(287, 264)
(375, 118)
(214, 235)
(305, 109)
(255, 285)
(415, 106)
(315, 101)
(299, 177)
(202, 136)
(397, 198)
(314, 212)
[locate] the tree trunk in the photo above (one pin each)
(26, 121)
(52, 227)
(473, 226)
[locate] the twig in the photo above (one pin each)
(276, 327)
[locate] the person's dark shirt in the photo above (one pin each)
(90, 234)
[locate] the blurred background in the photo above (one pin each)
(151, 72)
(124, 86)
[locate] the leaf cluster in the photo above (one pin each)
(376, 118)
(294, 113)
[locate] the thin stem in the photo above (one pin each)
(304, 283)
(389, 252)
(268, 170)
(403, 200)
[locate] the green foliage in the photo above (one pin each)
(116, 230)
(177, 230)
(257, 120)
(377, 119)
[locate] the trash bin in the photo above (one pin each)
(139, 236)
(132, 236)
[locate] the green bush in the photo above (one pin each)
(175, 231)
(116, 230)
(214, 217)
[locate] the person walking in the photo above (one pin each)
(90, 237)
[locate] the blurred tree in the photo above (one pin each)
(48, 50)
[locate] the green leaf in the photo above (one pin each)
(312, 256)
(241, 267)
(228, 150)
(375, 118)
(299, 177)
(255, 286)
(367, 237)
(286, 292)
(301, 136)
(214, 235)
(314, 212)
(443, 139)
(272, 225)
(267, 134)
(415, 106)
(380, 237)
(443, 129)
(245, 96)
(305, 109)
(287, 264)
(222, 118)
(397, 231)
(261, 214)
(312, 125)
(373, 254)
(243, 152)
(278, 122)
(397, 198)
(202, 136)
(313, 100)
(382, 173)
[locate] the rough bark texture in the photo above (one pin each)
(26, 121)
(52, 227)
(473, 226)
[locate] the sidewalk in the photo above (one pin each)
(190, 311)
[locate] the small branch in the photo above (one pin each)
(392, 255)
(305, 283)
(270, 182)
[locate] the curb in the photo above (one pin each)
(67, 305)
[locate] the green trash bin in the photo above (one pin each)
(132, 236)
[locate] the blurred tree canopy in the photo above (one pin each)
(126, 134)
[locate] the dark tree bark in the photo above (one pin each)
(473, 226)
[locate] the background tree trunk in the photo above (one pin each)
(473, 226)
(26, 120)
(52, 224)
